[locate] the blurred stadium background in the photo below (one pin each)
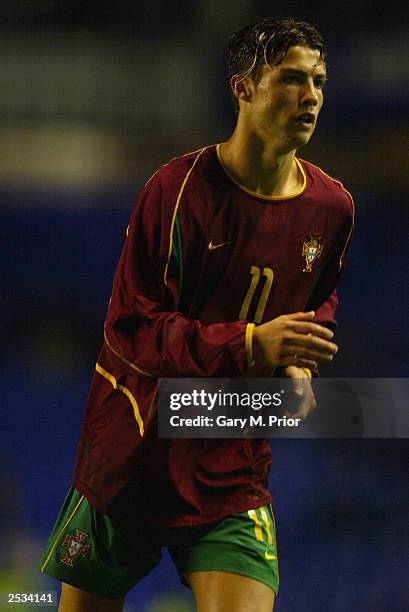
(92, 101)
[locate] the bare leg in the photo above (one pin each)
(75, 600)
(227, 592)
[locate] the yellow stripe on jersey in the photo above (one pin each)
(331, 178)
(81, 499)
(128, 363)
(139, 370)
(341, 259)
(173, 159)
(175, 213)
(126, 392)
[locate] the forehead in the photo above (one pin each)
(302, 58)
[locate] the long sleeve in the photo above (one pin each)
(325, 314)
(144, 331)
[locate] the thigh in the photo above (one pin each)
(76, 600)
(90, 552)
(228, 592)
(240, 546)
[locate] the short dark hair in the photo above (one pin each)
(260, 42)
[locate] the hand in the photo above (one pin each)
(293, 339)
(303, 389)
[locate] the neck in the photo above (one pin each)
(260, 166)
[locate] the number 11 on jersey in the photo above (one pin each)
(268, 274)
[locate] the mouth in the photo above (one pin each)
(305, 120)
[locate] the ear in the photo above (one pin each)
(241, 87)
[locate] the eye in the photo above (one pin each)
(319, 83)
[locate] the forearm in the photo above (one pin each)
(170, 344)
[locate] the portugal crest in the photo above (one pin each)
(311, 251)
(75, 546)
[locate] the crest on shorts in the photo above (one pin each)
(311, 251)
(76, 546)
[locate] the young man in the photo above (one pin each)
(229, 269)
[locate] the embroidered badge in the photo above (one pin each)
(311, 251)
(76, 546)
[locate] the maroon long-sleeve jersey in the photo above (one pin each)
(203, 258)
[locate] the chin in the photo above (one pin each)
(300, 141)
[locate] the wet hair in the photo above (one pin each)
(266, 42)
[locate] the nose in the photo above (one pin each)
(310, 94)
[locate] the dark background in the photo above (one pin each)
(93, 101)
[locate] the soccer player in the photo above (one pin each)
(229, 269)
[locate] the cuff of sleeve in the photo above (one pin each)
(249, 345)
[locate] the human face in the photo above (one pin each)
(284, 104)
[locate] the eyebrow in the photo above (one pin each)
(304, 73)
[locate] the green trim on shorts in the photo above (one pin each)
(108, 558)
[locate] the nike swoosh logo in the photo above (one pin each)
(269, 557)
(212, 246)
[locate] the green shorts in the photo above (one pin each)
(91, 552)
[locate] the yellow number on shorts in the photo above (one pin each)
(258, 527)
(258, 531)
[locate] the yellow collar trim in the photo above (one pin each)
(259, 195)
